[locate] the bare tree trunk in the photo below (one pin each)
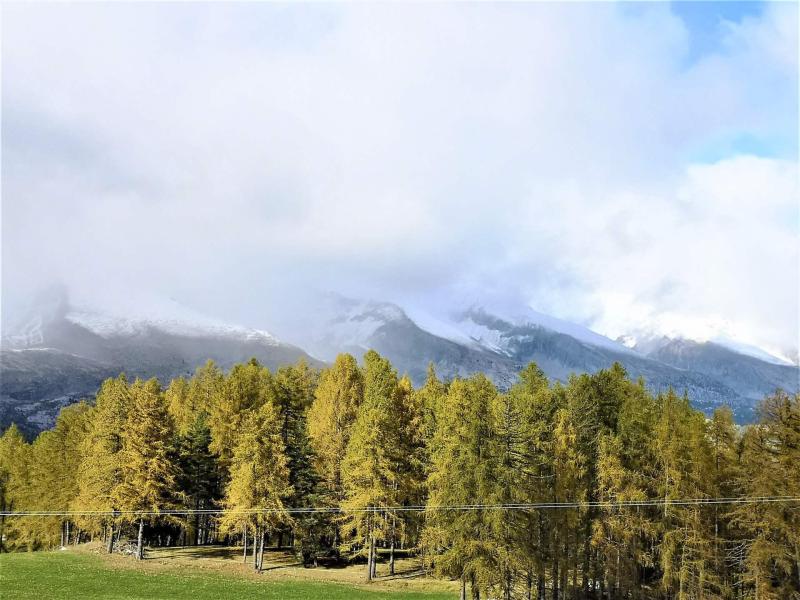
(371, 558)
(261, 551)
(586, 557)
(139, 546)
(554, 576)
(244, 538)
(255, 548)
(375, 560)
(66, 543)
(463, 587)
(391, 556)
(540, 585)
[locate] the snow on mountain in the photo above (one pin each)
(750, 350)
(496, 326)
(647, 343)
(341, 324)
(62, 353)
(108, 326)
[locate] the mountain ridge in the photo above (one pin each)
(62, 353)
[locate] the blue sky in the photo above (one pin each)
(632, 167)
(704, 20)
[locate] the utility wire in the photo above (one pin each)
(416, 508)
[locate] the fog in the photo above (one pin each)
(626, 167)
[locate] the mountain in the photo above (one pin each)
(356, 326)
(500, 342)
(749, 376)
(566, 350)
(61, 354)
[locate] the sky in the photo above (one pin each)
(631, 167)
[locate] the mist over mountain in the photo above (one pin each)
(61, 353)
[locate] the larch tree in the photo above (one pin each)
(15, 490)
(55, 458)
(148, 469)
(199, 478)
(330, 421)
(100, 469)
(372, 466)
(461, 474)
(294, 388)
(771, 468)
(245, 389)
(259, 478)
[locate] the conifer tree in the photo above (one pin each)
(259, 478)
(533, 409)
(15, 489)
(771, 467)
(622, 535)
(295, 386)
(331, 417)
(462, 474)
(199, 477)
(372, 466)
(148, 469)
(100, 470)
(55, 458)
(330, 420)
(245, 389)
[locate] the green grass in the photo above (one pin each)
(61, 575)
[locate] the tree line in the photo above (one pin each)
(548, 490)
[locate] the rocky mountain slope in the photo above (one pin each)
(500, 343)
(62, 354)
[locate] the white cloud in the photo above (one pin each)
(233, 155)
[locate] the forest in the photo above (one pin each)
(593, 488)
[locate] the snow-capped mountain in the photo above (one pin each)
(61, 353)
(355, 326)
(500, 342)
(750, 376)
(647, 343)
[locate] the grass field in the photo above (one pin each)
(197, 574)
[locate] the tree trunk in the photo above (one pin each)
(255, 548)
(554, 577)
(244, 538)
(139, 546)
(463, 595)
(67, 535)
(371, 558)
(391, 557)
(374, 558)
(586, 557)
(261, 551)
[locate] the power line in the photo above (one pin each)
(415, 508)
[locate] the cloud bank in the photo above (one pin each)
(577, 158)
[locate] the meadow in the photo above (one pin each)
(194, 573)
